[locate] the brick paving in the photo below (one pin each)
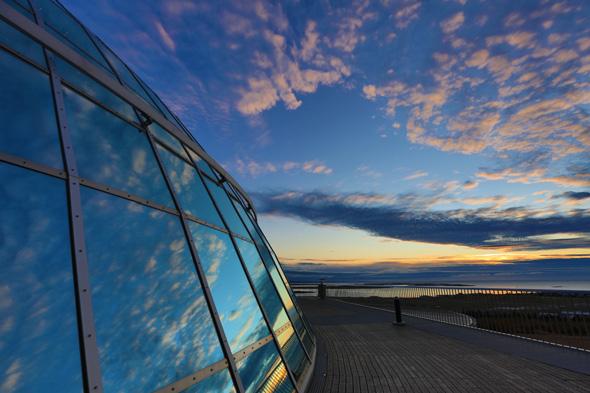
(359, 350)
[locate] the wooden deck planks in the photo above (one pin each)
(378, 357)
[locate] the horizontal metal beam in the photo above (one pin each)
(244, 352)
(193, 379)
(211, 369)
(22, 162)
(47, 39)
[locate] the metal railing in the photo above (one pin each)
(559, 317)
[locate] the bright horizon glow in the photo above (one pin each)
(296, 241)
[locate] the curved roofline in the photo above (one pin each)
(40, 34)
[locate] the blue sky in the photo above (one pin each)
(382, 131)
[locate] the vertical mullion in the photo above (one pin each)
(281, 275)
(308, 355)
(87, 330)
(250, 282)
(200, 273)
(112, 67)
(89, 355)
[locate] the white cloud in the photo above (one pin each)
(452, 24)
(165, 36)
(416, 175)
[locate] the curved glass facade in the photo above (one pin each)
(130, 261)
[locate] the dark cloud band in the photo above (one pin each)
(476, 228)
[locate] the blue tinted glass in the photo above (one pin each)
(39, 340)
(112, 152)
(239, 313)
(67, 29)
(263, 371)
(202, 164)
(93, 88)
(29, 128)
(22, 7)
(124, 73)
(21, 43)
(293, 351)
(219, 382)
(160, 104)
(227, 210)
(262, 284)
(21, 4)
(189, 189)
(153, 324)
(169, 139)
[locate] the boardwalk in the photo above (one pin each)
(360, 351)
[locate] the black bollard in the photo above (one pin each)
(398, 312)
(322, 290)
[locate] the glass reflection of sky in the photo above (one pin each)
(262, 284)
(38, 326)
(112, 152)
(75, 35)
(167, 138)
(275, 276)
(189, 189)
(123, 72)
(225, 205)
(255, 369)
(220, 382)
(202, 164)
(293, 351)
(29, 128)
(239, 313)
(153, 324)
(94, 89)
(21, 43)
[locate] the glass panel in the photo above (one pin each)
(160, 104)
(21, 43)
(22, 7)
(219, 382)
(262, 284)
(227, 210)
(21, 4)
(268, 261)
(38, 326)
(307, 341)
(112, 152)
(153, 324)
(67, 29)
(123, 72)
(189, 189)
(29, 128)
(202, 164)
(293, 352)
(263, 370)
(238, 311)
(169, 139)
(93, 88)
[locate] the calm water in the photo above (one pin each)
(565, 285)
(574, 285)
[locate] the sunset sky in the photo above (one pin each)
(413, 133)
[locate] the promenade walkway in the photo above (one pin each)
(359, 350)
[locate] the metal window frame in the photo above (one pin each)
(283, 278)
(90, 358)
(249, 278)
(279, 268)
(310, 357)
(200, 273)
(41, 35)
(53, 46)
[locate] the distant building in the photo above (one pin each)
(130, 261)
